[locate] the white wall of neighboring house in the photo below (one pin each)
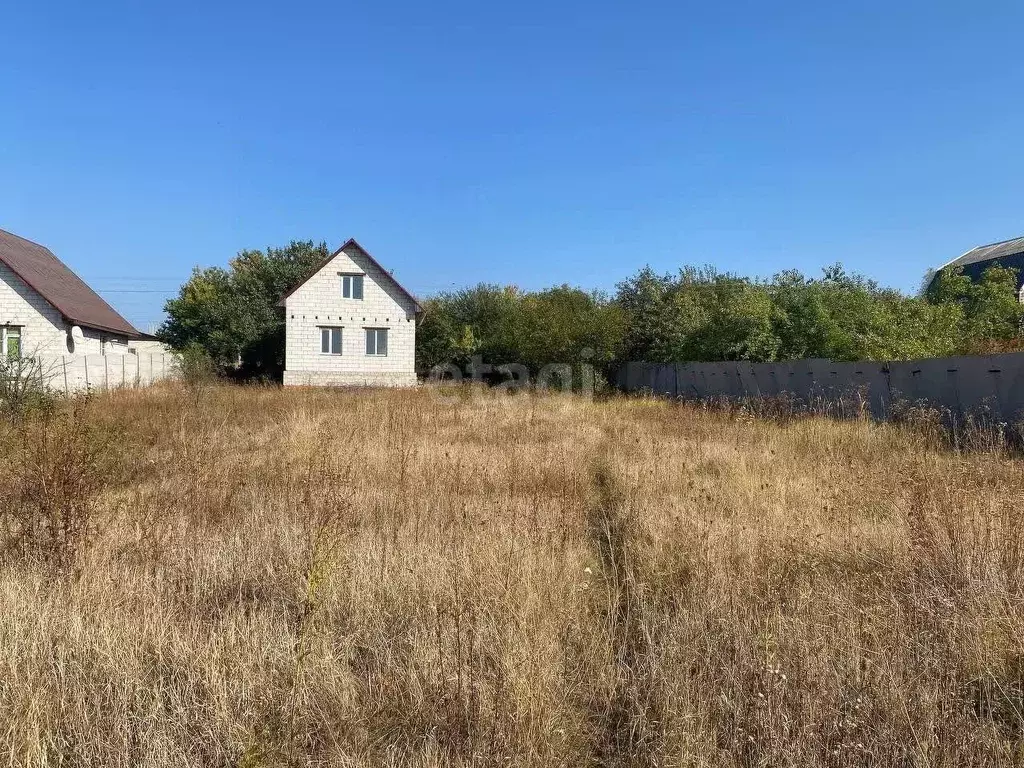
(42, 327)
(43, 330)
(148, 347)
(319, 303)
(97, 360)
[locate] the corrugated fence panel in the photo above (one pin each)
(1010, 386)
(961, 385)
(665, 380)
(766, 378)
(747, 380)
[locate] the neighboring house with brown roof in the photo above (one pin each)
(350, 323)
(47, 310)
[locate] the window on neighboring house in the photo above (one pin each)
(12, 341)
(352, 286)
(330, 341)
(376, 341)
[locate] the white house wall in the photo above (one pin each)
(149, 347)
(319, 303)
(42, 327)
(99, 360)
(43, 330)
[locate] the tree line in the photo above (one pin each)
(695, 314)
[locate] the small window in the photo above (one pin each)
(352, 286)
(12, 342)
(376, 341)
(330, 341)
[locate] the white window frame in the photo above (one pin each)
(349, 282)
(327, 335)
(5, 334)
(373, 333)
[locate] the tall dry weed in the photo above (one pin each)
(56, 466)
(311, 577)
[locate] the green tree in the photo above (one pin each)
(990, 305)
(233, 314)
(503, 324)
(567, 325)
(457, 325)
(658, 318)
(702, 315)
(738, 321)
(697, 315)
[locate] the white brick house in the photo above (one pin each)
(350, 323)
(46, 310)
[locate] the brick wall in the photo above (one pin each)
(319, 303)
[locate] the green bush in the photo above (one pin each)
(23, 388)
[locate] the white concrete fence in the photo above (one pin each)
(993, 384)
(81, 373)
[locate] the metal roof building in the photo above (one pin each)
(1007, 253)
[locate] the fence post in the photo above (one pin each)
(887, 405)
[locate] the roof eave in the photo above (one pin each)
(133, 334)
(961, 256)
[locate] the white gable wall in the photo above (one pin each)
(42, 327)
(319, 303)
(98, 361)
(43, 330)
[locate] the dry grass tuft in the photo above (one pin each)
(258, 577)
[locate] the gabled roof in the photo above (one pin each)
(988, 252)
(366, 253)
(54, 281)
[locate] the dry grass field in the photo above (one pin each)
(259, 577)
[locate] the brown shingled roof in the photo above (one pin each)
(54, 281)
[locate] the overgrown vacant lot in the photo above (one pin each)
(264, 577)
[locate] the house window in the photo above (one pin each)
(11, 339)
(376, 341)
(352, 286)
(330, 341)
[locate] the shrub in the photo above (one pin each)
(22, 387)
(57, 465)
(198, 369)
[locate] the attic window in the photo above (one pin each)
(352, 286)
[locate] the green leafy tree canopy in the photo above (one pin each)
(233, 314)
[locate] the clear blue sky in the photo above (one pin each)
(531, 142)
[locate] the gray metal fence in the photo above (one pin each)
(960, 384)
